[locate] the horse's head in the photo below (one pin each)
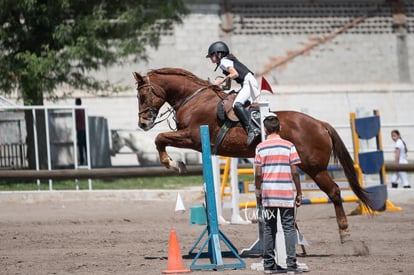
(150, 99)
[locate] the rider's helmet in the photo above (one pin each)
(218, 47)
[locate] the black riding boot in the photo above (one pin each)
(252, 132)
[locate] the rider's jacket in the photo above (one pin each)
(240, 68)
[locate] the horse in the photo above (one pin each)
(195, 102)
(145, 149)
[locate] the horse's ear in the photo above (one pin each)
(138, 77)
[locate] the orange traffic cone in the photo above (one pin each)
(175, 262)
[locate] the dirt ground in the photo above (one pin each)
(96, 237)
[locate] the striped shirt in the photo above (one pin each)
(275, 155)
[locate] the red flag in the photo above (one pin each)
(265, 86)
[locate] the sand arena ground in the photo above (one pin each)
(127, 232)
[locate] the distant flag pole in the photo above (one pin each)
(265, 86)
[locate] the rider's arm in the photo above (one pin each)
(232, 75)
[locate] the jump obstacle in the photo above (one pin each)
(370, 162)
(212, 232)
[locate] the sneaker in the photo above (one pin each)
(296, 270)
(280, 269)
(407, 186)
(276, 270)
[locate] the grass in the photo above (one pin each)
(175, 182)
(130, 183)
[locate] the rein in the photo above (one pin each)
(168, 112)
(192, 96)
(199, 90)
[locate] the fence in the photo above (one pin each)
(13, 155)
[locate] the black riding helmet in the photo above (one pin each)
(217, 47)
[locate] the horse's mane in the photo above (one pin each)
(185, 73)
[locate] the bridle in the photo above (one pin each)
(152, 93)
(151, 109)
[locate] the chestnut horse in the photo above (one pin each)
(195, 103)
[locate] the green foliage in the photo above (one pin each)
(44, 44)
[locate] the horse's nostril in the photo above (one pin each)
(142, 125)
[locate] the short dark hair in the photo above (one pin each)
(272, 124)
(78, 101)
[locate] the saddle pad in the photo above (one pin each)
(225, 108)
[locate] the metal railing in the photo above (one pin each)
(13, 156)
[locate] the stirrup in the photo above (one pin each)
(252, 135)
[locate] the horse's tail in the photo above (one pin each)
(341, 153)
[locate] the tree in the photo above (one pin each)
(45, 44)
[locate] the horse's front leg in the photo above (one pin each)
(176, 139)
(170, 163)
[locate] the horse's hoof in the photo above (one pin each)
(182, 169)
(344, 235)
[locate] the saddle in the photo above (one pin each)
(225, 110)
(228, 119)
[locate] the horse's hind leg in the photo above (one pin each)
(333, 191)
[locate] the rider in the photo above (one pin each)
(233, 69)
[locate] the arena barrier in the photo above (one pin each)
(98, 173)
(113, 173)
